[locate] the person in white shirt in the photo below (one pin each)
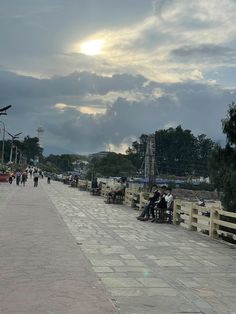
(116, 190)
(169, 198)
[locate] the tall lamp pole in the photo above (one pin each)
(3, 111)
(3, 142)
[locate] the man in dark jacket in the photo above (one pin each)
(145, 215)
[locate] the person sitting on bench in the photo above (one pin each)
(116, 191)
(145, 215)
(169, 198)
(165, 203)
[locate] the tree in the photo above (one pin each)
(62, 162)
(31, 148)
(222, 162)
(136, 152)
(229, 124)
(178, 152)
(175, 151)
(114, 165)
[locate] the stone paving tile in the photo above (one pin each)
(153, 282)
(121, 282)
(148, 268)
(42, 270)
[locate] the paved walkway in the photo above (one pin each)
(143, 267)
(42, 269)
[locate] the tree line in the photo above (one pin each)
(27, 150)
(178, 152)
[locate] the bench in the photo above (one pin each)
(82, 185)
(164, 215)
(95, 191)
(118, 198)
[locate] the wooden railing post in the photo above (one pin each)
(175, 214)
(140, 200)
(213, 227)
(192, 219)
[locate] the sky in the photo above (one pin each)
(96, 74)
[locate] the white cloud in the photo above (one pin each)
(196, 75)
(145, 47)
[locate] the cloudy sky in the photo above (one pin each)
(96, 74)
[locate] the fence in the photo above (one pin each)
(211, 220)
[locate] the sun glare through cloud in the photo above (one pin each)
(92, 47)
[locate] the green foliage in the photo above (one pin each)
(113, 164)
(62, 163)
(29, 147)
(222, 162)
(49, 168)
(229, 124)
(178, 152)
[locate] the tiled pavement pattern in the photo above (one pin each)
(42, 270)
(148, 268)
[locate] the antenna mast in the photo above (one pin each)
(150, 164)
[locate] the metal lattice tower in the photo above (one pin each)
(150, 164)
(40, 131)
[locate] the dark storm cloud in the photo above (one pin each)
(198, 107)
(194, 106)
(15, 87)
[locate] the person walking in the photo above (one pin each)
(24, 178)
(11, 177)
(18, 177)
(36, 178)
(49, 179)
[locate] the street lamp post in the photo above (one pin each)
(3, 111)
(3, 143)
(16, 151)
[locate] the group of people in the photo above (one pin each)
(22, 176)
(161, 201)
(116, 191)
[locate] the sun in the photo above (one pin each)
(92, 47)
